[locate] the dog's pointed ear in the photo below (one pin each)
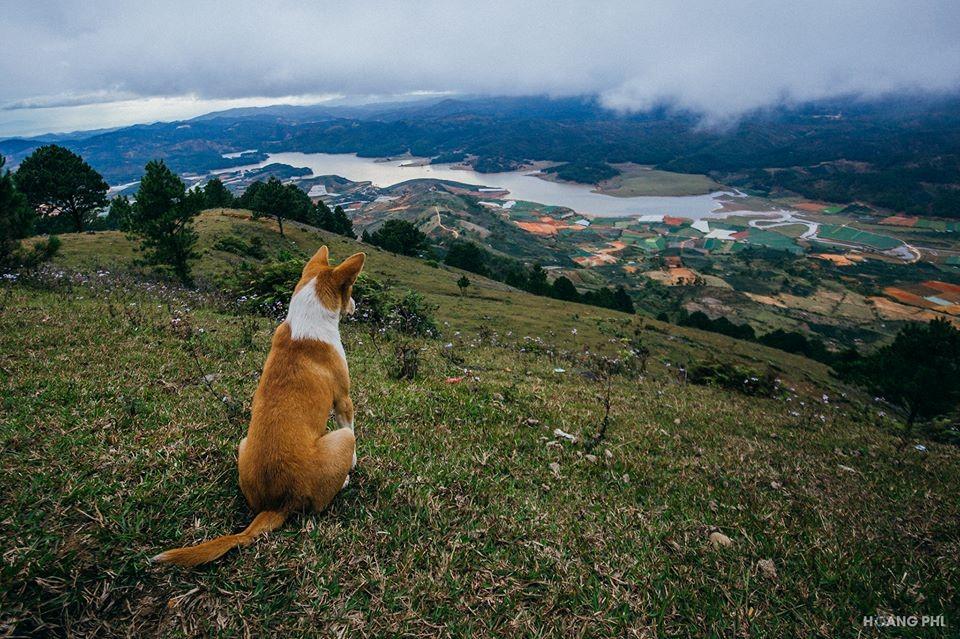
(348, 270)
(320, 258)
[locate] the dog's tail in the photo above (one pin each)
(265, 521)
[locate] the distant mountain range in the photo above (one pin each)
(899, 153)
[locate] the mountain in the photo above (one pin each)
(901, 153)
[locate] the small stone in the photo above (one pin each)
(209, 378)
(776, 485)
(712, 505)
(767, 568)
(607, 453)
(590, 458)
(846, 468)
(677, 421)
(555, 467)
(532, 421)
(626, 478)
(719, 540)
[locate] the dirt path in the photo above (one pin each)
(456, 233)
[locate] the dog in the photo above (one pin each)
(288, 462)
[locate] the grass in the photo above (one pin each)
(635, 180)
(115, 446)
(856, 236)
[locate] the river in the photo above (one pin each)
(521, 185)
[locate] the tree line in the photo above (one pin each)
(533, 279)
(54, 190)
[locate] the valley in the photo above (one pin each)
(829, 271)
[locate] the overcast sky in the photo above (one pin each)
(70, 64)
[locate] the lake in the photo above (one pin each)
(521, 185)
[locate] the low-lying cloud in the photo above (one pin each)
(720, 59)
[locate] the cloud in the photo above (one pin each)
(720, 59)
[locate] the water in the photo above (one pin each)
(521, 185)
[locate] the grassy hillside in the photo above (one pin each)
(123, 401)
(487, 303)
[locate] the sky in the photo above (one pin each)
(69, 65)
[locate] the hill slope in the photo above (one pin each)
(467, 514)
(487, 303)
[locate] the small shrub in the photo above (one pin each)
(736, 378)
(38, 253)
(265, 289)
(406, 361)
(239, 246)
(385, 310)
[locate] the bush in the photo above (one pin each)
(266, 288)
(406, 361)
(385, 310)
(398, 236)
(735, 378)
(239, 246)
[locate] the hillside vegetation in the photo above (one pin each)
(124, 399)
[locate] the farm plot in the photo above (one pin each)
(851, 235)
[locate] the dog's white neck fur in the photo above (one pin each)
(310, 319)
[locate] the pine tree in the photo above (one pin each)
(399, 236)
(920, 370)
(16, 217)
(342, 224)
(59, 178)
(463, 283)
(163, 216)
(120, 215)
(216, 195)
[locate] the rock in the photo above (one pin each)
(767, 568)
(626, 478)
(532, 421)
(209, 378)
(564, 435)
(719, 540)
(555, 467)
(590, 458)
(677, 421)
(776, 485)
(607, 453)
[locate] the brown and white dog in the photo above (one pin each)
(288, 462)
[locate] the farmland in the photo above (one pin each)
(775, 264)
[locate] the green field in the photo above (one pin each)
(938, 225)
(637, 180)
(849, 234)
(462, 518)
(773, 240)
